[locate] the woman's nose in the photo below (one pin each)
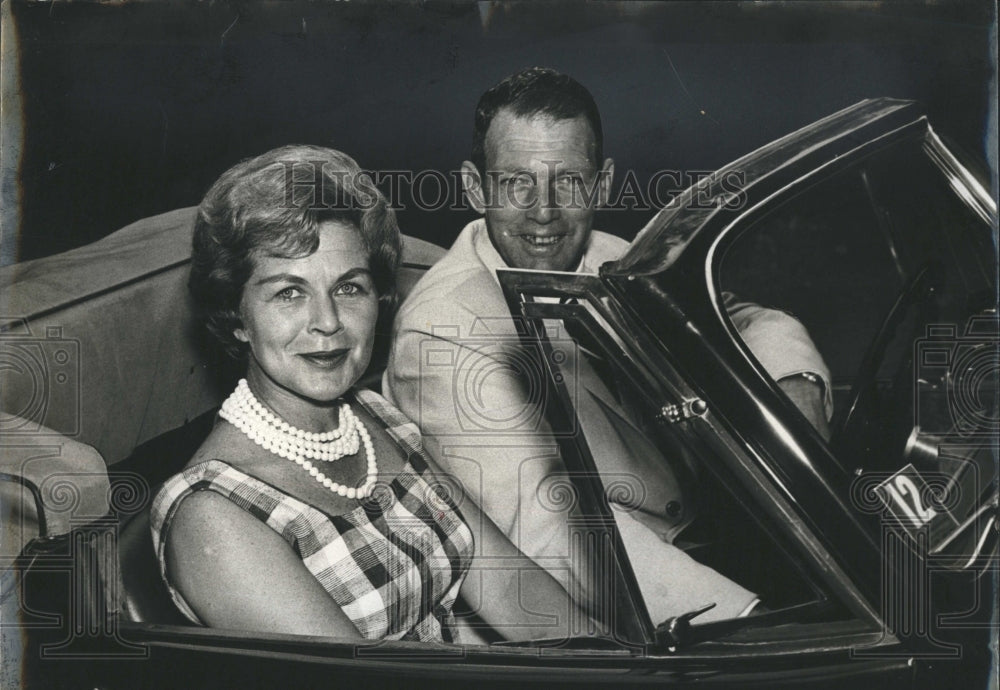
(324, 316)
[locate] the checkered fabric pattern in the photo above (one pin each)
(394, 564)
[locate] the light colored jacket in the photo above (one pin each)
(458, 370)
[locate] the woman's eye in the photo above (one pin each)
(350, 289)
(288, 294)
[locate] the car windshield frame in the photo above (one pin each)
(674, 262)
(917, 133)
(538, 295)
(725, 193)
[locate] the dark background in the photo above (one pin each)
(131, 109)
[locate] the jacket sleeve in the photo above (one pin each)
(468, 388)
(780, 343)
(475, 404)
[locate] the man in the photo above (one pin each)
(537, 175)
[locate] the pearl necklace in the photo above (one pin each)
(246, 413)
(328, 446)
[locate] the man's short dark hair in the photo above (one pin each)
(536, 91)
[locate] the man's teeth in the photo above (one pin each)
(540, 241)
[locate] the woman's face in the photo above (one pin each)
(310, 321)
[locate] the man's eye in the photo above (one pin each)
(569, 181)
(519, 181)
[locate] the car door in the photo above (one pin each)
(878, 244)
(811, 617)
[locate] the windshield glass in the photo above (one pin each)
(663, 239)
(891, 274)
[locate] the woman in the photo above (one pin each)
(311, 507)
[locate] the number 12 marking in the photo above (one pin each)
(906, 495)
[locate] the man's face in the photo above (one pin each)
(541, 188)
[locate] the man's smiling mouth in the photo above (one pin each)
(545, 241)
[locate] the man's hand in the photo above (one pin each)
(807, 394)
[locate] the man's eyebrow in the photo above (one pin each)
(299, 280)
(499, 168)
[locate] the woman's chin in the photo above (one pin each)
(323, 395)
(312, 390)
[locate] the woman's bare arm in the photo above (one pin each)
(508, 590)
(236, 572)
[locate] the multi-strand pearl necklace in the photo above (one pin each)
(249, 415)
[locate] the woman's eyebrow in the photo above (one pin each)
(299, 280)
(355, 272)
(281, 278)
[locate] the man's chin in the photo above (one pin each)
(543, 263)
(559, 265)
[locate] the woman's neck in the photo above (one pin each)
(300, 412)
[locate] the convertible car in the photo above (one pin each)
(873, 552)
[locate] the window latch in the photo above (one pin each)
(673, 632)
(672, 414)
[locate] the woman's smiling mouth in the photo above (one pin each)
(326, 359)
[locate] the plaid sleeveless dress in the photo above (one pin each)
(394, 564)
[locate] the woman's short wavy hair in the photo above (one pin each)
(274, 204)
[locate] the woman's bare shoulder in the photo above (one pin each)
(206, 523)
(225, 443)
(236, 572)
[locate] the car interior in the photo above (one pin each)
(894, 277)
(136, 396)
(727, 533)
(143, 393)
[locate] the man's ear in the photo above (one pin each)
(241, 335)
(605, 176)
(473, 185)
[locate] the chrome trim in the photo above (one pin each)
(961, 180)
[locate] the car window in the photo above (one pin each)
(888, 265)
(691, 538)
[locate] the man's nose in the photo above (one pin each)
(324, 318)
(545, 208)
